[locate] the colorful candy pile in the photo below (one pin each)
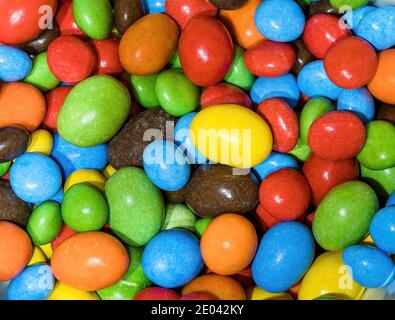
(197, 149)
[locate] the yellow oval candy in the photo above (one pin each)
(37, 257)
(329, 276)
(86, 175)
(256, 293)
(41, 141)
(64, 292)
(109, 171)
(232, 135)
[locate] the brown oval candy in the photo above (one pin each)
(126, 13)
(14, 141)
(11, 207)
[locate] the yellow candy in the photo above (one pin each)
(368, 240)
(232, 135)
(109, 171)
(40, 141)
(47, 250)
(37, 257)
(86, 175)
(64, 292)
(256, 293)
(329, 276)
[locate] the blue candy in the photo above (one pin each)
(353, 17)
(182, 136)
(57, 198)
(33, 283)
(370, 267)
(378, 27)
(275, 161)
(172, 258)
(35, 177)
(3, 290)
(382, 229)
(15, 64)
(284, 87)
(359, 101)
(314, 82)
(284, 255)
(166, 165)
(154, 6)
(280, 20)
(391, 200)
(71, 158)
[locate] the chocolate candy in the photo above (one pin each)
(215, 189)
(41, 43)
(386, 112)
(14, 141)
(322, 6)
(303, 56)
(126, 13)
(11, 207)
(229, 4)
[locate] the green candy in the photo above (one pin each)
(176, 94)
(93, 17)
(353, 4)
(201, 225)
(41, 76)
(4, 166)
(312, 110)
(175, 62)
(179, 216)
(44, 223)
(238, 73)
(301, 151)
(344, 215)
(136, 206)
(144, 90)
(378, 153)
(94, 111)
(84, 208)
(382, 181)
(132, 282)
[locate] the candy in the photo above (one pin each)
(55, 99)
(41, 43)
(198, 296)
(284, 255)
(126, 13)
(275, 161)
(144, 90)
(224, 93)
(11, 207)
(41, 141)
(62, 291)
(155, 6)
(382, 181)
(13, 142)
(359, 101)
(15, 64)
(229, 4)
(256, 293)
(64, 18)
(45, 223)
(238, 73)
(156, 293)
(179, 216)
(382, 229)
(386, 112)
(4, 166)
(85, 119)
(390, 200)
(205, 191)
(228, 244)
(107, 56)
(322, 6)
(201, 225)
(232, 135)
(90, 176)
(38, 256)
(343, 216)
(172, 258)
(303, 56)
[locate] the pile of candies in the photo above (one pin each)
(197, 149)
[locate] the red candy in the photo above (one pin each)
(265, 219)
(206, 58)
(198, 296)
(351, 63)
(283, 123)
(337, 135)
(20, 19)
(55, 99)
(184, 10)
(71, 59)
(108, 58)
(65, 233)
(156, 293)
(323, 175)
(224, 93)
(321, 32)
(270, 59)
(285, 194)
(65, 20)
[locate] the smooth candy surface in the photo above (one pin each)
(275, 161)
(238, 73)
(382, 229)
(12, 208)
(15, 64)
(382, 181)
(359, 101)
(13, 142)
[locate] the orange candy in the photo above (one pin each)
(229, 243)
(21, 104)
(148, 45)
(90, 261)
(222, 287)
(382, 85)
(15, 250)
(240, 24)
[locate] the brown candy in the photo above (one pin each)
(14, 141)
(322, 6)
(127, 147)
(216, 189)
(303, 56)
(386, 112)
(41, 43)
(176, 196)
(126, 13)
(228, 4)
(11, 207)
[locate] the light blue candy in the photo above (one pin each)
(284, 87)
(166, 165)
(370, 267)
(359, 101)
(3, 290)
(382, 229)
(57, 198)
(378, 27)
(284, 255)
(71, 158)
(182, 136)
(391, 200)
(353, 17)
(15, 64)
(154, 6)
(275, 161)
(33, 283)
(314, 82)
(280, 20)
(172, 258)
(35, 177)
